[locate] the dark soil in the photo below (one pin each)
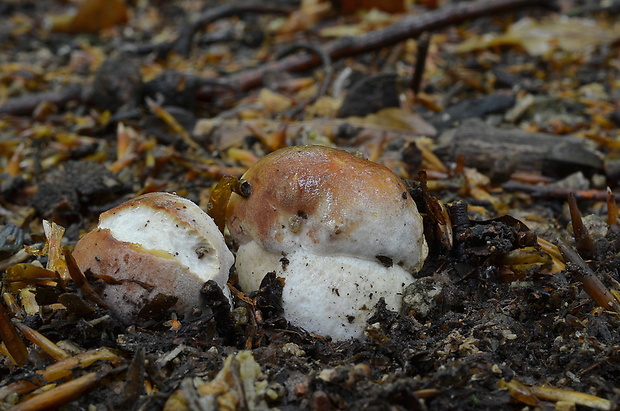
(487, 318)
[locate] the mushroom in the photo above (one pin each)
(155, 244)
(342, 231)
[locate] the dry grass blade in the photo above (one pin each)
(574, 397)
(554, 252)
(18, 257)
(520, 392)
(39, 339)
(58, 370)
(172, 123)
(18, 275)
(17, 388)
(11, 338)
(12, 305)
(65, 393)
(55, 259)
(65, 367)
(531, 394)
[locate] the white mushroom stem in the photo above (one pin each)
(158, 243)
(331, 295)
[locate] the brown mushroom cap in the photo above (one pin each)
(157, 243)
(328, 202)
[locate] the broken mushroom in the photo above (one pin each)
(342, 231)
(156, 245)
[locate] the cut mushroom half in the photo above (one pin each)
(156, 244)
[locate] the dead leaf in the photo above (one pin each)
(573, 35)
(310, 12)
(274, 102)
(395, 118)
(91, 16)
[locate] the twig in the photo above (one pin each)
(583, 241)
(25, 105)
(552, 192)
(423, 44)
(409, 27)
(327, 66)
(67, 392)
(183, 42)
(591, 283)
(612, 208)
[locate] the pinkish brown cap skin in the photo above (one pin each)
(342, 232)
(331, 203)
(155, 243)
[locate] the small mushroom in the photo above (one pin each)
(157, 244)
(342, 231)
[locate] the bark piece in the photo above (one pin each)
(370, 95)
(479, 107)
(495, 151)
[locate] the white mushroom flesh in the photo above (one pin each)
(158, 243)
(187, 244)
(332, 295)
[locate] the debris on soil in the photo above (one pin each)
(500, 117)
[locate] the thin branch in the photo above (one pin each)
(327, 66)
(183, 42)
(423, 44)
(409, 27)
(591, 283)
(553, 192)
(25, 105)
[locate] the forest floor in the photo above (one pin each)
(502, 117)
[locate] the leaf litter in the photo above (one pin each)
(510, 312)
